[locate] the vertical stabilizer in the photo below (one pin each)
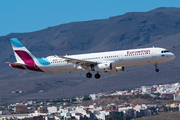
(24, 58)
(21, 53)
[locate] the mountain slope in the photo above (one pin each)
(159, 27)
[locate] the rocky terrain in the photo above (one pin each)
(159, 27)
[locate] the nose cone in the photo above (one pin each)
(172, 56)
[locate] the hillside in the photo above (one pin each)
(163, 116)
(159, 27)
(131, 99)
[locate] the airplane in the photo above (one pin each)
(110, 62)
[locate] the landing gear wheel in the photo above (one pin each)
(157, 70)
(88, 75)
(97, 76)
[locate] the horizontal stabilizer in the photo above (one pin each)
(19, 64)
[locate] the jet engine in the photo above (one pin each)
(116, 69)
(119, 69)
(102, 67)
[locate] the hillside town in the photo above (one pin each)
(73, 108)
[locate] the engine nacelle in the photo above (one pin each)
(119, 69)
(102, 67)
(116, 69)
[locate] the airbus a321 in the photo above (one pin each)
(111, 62)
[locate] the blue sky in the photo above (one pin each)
(19, 16)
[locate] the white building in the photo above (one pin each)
(124, 108)
(93, 96)
(146, 89)
(101, 115)
(139, 107)
(52, 109)
(176, 97)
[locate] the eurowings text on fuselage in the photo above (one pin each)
(111, 62)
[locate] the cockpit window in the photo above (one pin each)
(164, 51)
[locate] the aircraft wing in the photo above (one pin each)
(19, 64)
(83, 63)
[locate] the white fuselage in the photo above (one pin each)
(121, 58)
(111, 62)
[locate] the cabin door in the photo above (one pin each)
(153, 53)
(120, 57)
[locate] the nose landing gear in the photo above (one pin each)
(157, 70)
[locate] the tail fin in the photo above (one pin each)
(21, 53)
(24, 58)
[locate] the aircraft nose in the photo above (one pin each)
(172, 56)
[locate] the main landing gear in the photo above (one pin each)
(89, 75)
(157, 70)
(97, 75)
